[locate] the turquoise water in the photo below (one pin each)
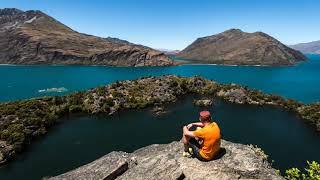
(81, 139)
(301, 82)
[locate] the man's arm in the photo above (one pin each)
(187, 132)
(199, 124)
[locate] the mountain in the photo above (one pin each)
(169, 51)
(240, 48)
(32, 37)
(310, 47)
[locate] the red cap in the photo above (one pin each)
(205, 115)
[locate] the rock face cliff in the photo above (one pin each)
(310, 47)
(33, 37)
(240, 48)
(165, 161)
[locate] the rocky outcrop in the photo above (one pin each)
(22, 121)
(33, 37)
(203, 102)
(309, 47)
(158, 110)
(165, 161)
(6, 151)
(235, 47)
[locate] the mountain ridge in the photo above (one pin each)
(32, 37)
(236, 47)
(312, 47)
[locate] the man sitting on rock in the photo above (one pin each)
(203, 143)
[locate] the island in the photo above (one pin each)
(24, 120)
(235, 47)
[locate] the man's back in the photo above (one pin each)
(210, 134)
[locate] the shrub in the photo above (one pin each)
(116, 94)
(100, 91)
(293, 174)
(312, 172)
(75, 108)
(76, 99)
(16, 138)
(57, 100)
(109, 102)
(116, 84)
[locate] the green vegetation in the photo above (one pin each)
(22, 121)
(312, 172)
(259, 151)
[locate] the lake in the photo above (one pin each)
(301, 82)
(82, 138)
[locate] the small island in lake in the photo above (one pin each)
(22, 121)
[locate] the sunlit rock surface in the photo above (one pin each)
(165, 161)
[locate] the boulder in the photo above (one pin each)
(158, 111)
(203, 102)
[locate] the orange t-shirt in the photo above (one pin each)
(210, 134)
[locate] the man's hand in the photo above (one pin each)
(189, 126)
(187, 132)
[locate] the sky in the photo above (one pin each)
(174, 24)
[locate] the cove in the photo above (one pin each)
(300, 82)
(83, 138)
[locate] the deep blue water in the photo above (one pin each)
(81, 139)
(301, 82)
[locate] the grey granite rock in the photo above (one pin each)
(165, 161)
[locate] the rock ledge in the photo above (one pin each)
(165, 161)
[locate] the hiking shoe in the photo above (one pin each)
(190, 151)
(186, 154)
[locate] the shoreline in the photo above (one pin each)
(24, 120)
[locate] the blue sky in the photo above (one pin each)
(173, 24)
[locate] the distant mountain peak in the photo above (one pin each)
(309, 47)
(236, 47)
(10, 11)
(233, 30)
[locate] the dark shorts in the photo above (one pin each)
(195, 146)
